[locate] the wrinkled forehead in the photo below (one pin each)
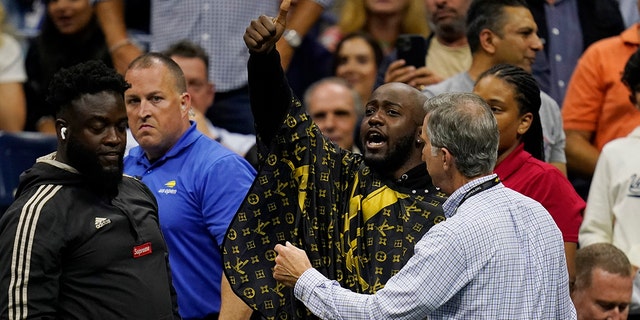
(400, 94)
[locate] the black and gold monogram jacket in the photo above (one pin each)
(356, 227)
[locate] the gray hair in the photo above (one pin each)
(357, 101)
(464, 124)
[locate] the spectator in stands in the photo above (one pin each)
(448, 52)
(596, 108)
(218, 26)
(614, 197)
(514, 98)
(356, 59)
(383, 20)
(70, 34)
(503, 31)
(12, 76)
(336, 109)
(567, 28)
(603, 283)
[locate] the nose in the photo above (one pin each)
(348, 65)
(144, 110)
(113, 136)
(536, 45)
(329, 123)
(375, 119)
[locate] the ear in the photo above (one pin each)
(447, 159)
(60, 124)
(185, 104)
(488, 41)
(418, 134)
(525, 123)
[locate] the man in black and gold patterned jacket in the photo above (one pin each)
(358, 217)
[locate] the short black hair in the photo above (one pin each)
(631, 75)
(487, 14)
(188, 49)
(88, 77)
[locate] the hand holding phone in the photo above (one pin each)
(412, 49)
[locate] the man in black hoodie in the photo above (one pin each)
(81, 240)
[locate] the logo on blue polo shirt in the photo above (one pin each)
(169, 188)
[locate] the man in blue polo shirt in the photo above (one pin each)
(199, 184)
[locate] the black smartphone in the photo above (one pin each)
(412, 48)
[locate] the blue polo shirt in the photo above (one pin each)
(199, 185)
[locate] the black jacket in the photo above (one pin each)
(67, 252)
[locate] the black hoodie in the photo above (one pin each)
(67, 251)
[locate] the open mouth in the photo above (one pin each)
(374, 140)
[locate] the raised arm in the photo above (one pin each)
(301, 19)
(268, 88)
(110, 15)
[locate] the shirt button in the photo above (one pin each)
(558, 58)
(555, 31)
(205, 37)
(561, 84)
(205, 7)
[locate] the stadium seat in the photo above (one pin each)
(18, 152)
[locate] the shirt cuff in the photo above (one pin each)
(307, 282)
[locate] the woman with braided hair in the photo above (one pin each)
(514, 98)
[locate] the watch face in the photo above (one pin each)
(292, 38)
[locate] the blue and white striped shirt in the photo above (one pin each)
(498, 256)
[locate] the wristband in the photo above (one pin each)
(120, 44)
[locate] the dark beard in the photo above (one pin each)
(396, 157)
(452, 32)
(104, 181)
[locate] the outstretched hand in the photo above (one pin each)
(291, 263)
(263, 33)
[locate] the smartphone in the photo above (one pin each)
(412, 48)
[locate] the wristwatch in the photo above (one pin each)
(292, 38)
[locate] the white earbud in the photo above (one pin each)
(183, 107)
(63, 133)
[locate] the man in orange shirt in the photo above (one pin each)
(597, 109)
